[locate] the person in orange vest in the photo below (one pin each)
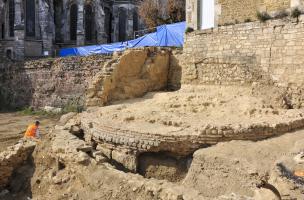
(33, 131)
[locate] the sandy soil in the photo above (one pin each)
(13, 126)
(225, 171)
(190, 109)
(238, 166)
(231, 170)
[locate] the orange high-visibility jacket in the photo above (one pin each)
(31, 131)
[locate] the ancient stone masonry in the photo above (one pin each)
(94, 80)
(13, 158)
(269, 51)
(39, 28)
(236, 11)
(49, 82)
(125, 144)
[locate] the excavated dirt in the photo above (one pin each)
(187, 111)
(163, 166)
(13, 126)
(66, 165)
(233, 170)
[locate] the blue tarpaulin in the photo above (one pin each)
(171, 35)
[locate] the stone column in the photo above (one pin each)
(99, 23)
(129, 27)
(46, 23)
(19, 31)
(80, 24)
(192, 13)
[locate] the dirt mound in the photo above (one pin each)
(240, 167)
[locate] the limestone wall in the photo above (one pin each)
(96, 80)
(236, 11)
(245, 53)
(47, 82)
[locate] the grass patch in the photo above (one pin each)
(248, 20)
(189, 30)
(295, 13)
(70, 107)
(263, 16)
(42, 113)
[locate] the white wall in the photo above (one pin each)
(207, 14)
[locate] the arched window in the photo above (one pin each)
(2, 31)
(11, 17)
(122, 24)
(58, 14)
(135, 21)
(9, 54)
(89, 23)
(30, 18)
(108, 24)
(73, 21)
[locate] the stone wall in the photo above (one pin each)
(95, 80)
(245, 53)
(48, 82)
(236, 11)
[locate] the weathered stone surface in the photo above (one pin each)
(127, 159)
(52, 82)
(13, 158)
(63, 82)
(237, 11)
(245, 53)
(131, 75)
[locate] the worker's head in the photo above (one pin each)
(37, 123)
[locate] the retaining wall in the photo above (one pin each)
(246, 53)
(47, 82)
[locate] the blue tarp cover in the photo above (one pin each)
(171, 35)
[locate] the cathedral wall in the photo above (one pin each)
(55, 25)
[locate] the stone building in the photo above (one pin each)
(34, 28)
(204, 14)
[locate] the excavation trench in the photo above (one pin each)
(163, 166)
(155, 165)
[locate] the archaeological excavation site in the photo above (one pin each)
(220, 119)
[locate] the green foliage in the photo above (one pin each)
(248, 20)
(295, 13)
(41, 113)
(69, 107)
(189, 30)
(281, 14)
(263, 16)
